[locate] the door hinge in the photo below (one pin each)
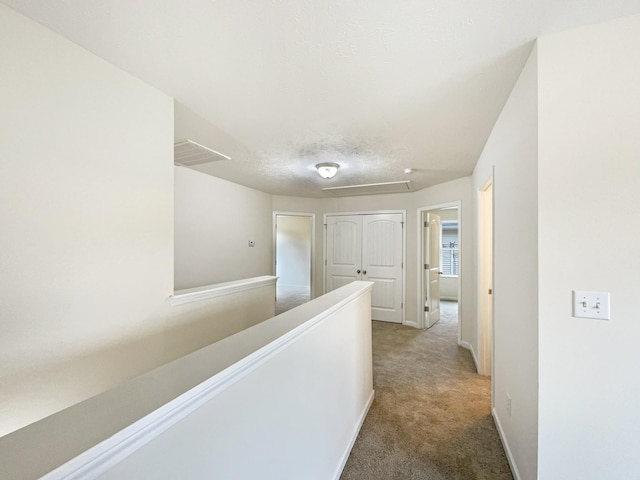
(401, 264)
(426, 225)
(490, 291)
(401, 306)
(426, 309)
(325, 261)
(426, 266)
(402, 223)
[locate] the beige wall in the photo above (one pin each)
(86, 251)
(512, 151)
(214, 221)
(589, 170)
(86, 200)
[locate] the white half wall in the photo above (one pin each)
(512, 150)
(290, 393)
(214, 222)
(589, 232)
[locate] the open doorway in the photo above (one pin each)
(485, 278)
(293, 258)
(439, 265)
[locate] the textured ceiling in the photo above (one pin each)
(376, 86)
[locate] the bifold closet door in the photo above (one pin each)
(368, 247)
(344, 250)
(382, 264)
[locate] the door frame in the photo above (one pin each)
(313, 244)
(421, 239)
(404, 250)
(486, 206)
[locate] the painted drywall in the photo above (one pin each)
(449, 288)
(94, 435)
(296, 410)
(214, 222)
(589, 90)
(512, 151)
(86, 254)
(293, 251)
(85, 203)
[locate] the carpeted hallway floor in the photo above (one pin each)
(431, 415)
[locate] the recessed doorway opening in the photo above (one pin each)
(293, 258)
(439, 250)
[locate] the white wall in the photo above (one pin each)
(589, 232)
(86, 251)
(214, 221)
(85, 202)
(291, 392)
(294, 415)
(293, 250)
(512, 150)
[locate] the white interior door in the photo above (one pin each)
(485, 267)
(431, 281)
(368, 247)
(344, 250)
(382, 264)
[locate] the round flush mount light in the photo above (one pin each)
(327, 169)
(408, 170)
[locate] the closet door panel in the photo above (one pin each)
(382, 264)
(344, 250)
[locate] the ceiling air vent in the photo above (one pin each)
(370, 189)
(188, 153)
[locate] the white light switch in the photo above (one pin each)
(591, 305)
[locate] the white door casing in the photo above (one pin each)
(431, 281)
(485, 275)
(368, 247)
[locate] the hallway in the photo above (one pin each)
(431, 415)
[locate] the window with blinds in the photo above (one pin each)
(450, 251)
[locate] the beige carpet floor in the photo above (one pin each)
(431, 415)
(288, 297)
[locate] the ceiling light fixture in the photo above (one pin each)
(327, 169)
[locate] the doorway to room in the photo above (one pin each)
(293, 258)
(485, 278)
(439, 271)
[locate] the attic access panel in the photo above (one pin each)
(370, 188)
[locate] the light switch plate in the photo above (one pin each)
(591, 305)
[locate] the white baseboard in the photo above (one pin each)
(345, 456)
(473, 354)
(410, 323)
(505, 444)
